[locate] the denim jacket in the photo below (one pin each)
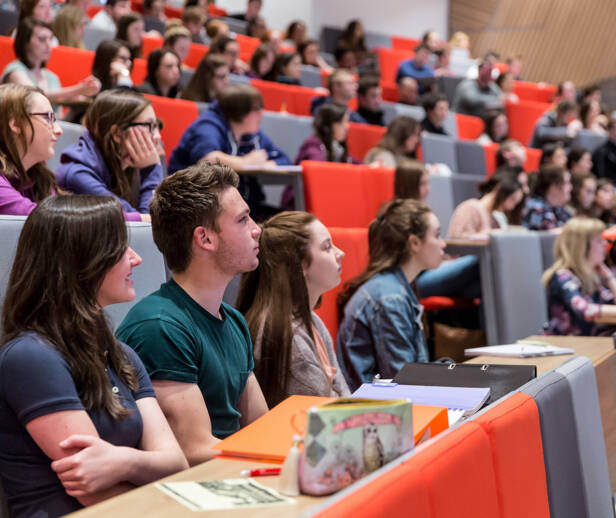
(381, 329)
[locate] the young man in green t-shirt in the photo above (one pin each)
(196, 348)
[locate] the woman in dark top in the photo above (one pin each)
(262, 63)
(163, 74)
(130, 30)
(112, 64)
(288, 68)
(79, 421)
(551, 191)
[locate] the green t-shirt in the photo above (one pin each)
(178, 340)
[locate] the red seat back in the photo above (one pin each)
(523, 117)
(280, 97)
(469, 127)
(532, 158)
(389, 91)
(195, 54)
(150, 43)
(402, 43)
(345, 195)
(176, 114)
(247, 45)
(7, 54)
(389, 61)
(93, 10)
(513, 427)
(139, 71)
(70, 65)
(538, 92)
(362, 138)
(354, 243)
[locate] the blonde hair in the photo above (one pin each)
(571, 251)
(457, 38)
(65, 26)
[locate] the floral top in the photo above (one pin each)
(567, 304)
(540, 215)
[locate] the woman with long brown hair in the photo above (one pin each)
(117, 155)
(293, 350)
(209, 79)
(28, 135)
(381, 327)
(79, 421)
(399, 142)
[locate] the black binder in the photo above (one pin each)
(501, 379)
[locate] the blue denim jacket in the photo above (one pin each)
(381, 329)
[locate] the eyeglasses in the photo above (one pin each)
(50, 117)
(221, 76)
(153, 126)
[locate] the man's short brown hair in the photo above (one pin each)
(237, 101)
(184, 201)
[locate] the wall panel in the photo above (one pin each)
(558, 39)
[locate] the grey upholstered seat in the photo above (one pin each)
(70, 135)
(440, 199)
(471, 157)
(287, 131)
(439, 149)
(561, 451)
(580, 375)
(311, 76)
(94, 36)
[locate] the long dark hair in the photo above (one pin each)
(14, 105)
(199, 88)
(105, 53)
(122, 33)
(407, 179)
(323, 123)
(154, 59)
(66, 246)
(274, 295)
(388, 240)
(398, 131)
(25, 30)
(111, 108)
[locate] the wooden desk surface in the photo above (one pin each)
(149, 501)
(596, 349)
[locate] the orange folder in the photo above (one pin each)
(270, 437)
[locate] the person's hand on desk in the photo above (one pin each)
(256, 157)
(97, 465)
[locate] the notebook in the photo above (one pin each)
(467, 399)
(519, 350)
(270, 437)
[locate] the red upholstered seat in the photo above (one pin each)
(176, 115)
(389, 61)
(346, 195)
(195, 55)
(149, 44)
(139, 71)
(389, 91)
(538, 92)
(354, 243)
(280, 97)
(523, 117)
(7, 54)
(469, 127)
(440, 303)
(70, 65)
(362, 138)
(514, 432)
(402, 43)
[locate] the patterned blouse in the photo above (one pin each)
(567, 304)
(540, 215)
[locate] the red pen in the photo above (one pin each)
(263, 472)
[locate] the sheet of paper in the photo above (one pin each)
(519, 350)
(216, 495)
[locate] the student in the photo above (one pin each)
(583, 190)
(196, 348)
(296, 33)
(500, 194)
(32, 47)
(579, 160)
(293, 350)
(496, 128)
(505, 82)
(262, 63)
(210, 78)
(256, 28)
(437, 109)
(193, 18)
(69, 26)
(342, 88)
(288, 68)
(554, 125)
(408, 91)
(553, 154)
(28, 135)
(309, 51)
(107, 18)
(475, 96)
(353, 38)
(545, 209)
(369, 100)
(328, 144)
(79, 419)
(590, 119)
(253, 8)
(381, 328)
(411, 180)
(229, 49)
(604, 157)
(117, 155)
(580, 287)
(604, 201)
(418, 68)
(163, 77)
(399, 142)
(112, 64)
(228, 131)
(130, 30)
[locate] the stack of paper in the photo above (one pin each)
(519, 350)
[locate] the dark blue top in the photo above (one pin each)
(35, 380)
(317, 102)
(538, 214)
(212, 132)
(83, 170)
(381, 329)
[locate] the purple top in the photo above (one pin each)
(12, 201)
